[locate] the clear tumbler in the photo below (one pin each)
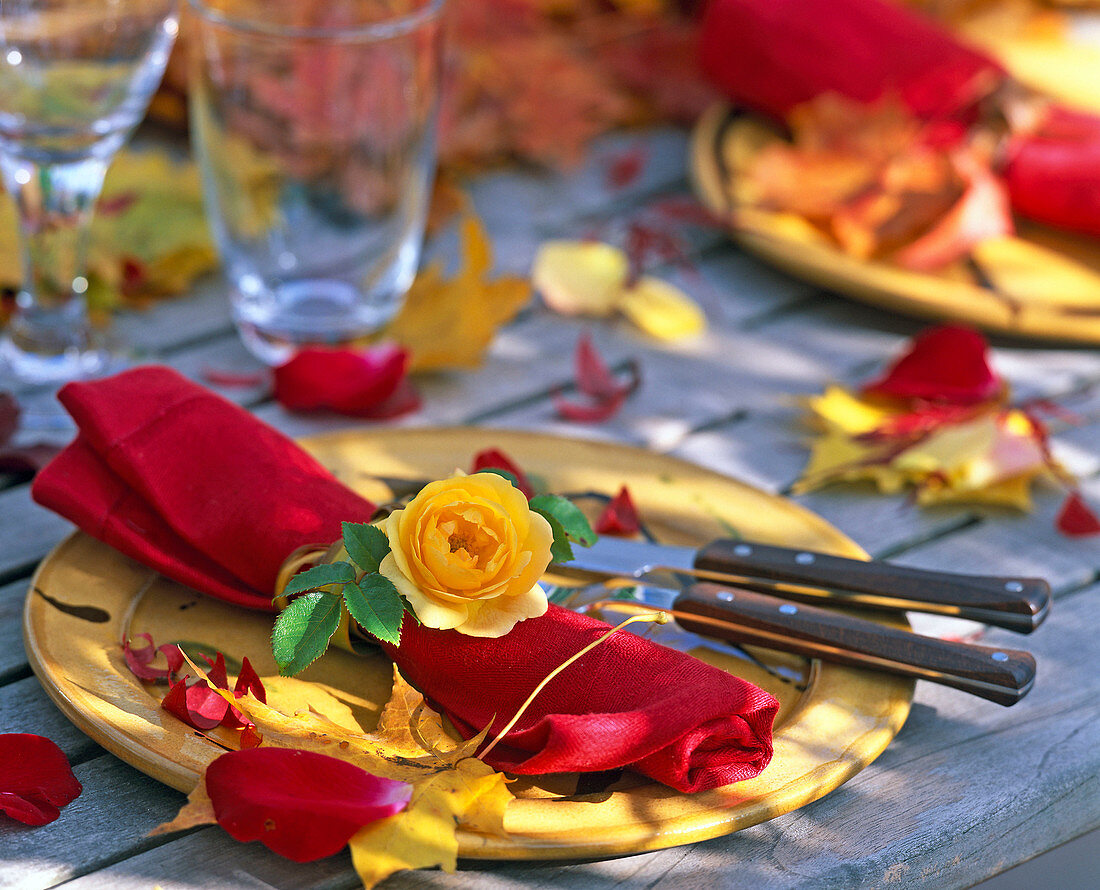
(313, 122)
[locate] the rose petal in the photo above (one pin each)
(944, 364)
(300, 804)
(620, 516)
(359, 383)
(1076, 519)
(9, 416)
(594, 379)
(217, 673)
(197, 705)
(248, 682)
(495, 459)
(35, 778)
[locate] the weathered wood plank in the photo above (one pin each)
(110, 820)
(29, 531)
(12, 659)
(25, 707)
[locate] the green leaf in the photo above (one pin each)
(375, 603)
(560, 551)
(366, 545)
(572, 520)
(320, 576)
(303, 630)
(511, 477)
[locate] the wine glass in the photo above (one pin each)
(75, 78)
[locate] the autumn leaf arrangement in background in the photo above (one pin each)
(939, 424)
(923, 154)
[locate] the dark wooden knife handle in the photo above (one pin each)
(1000, 675)
(1019, 604)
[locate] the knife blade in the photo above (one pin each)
(1000, 675)
(1018, 604)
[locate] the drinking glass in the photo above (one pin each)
(75, 78)
(314, 127)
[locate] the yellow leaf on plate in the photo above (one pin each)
(1030, 273)
(471, 795)
(452, 790)
(662, 310)
(450, 322)
(580, 277)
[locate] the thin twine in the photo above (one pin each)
(658, 617)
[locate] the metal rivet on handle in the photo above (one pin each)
(725, 596)
(742, 550)
(999, 656)
(1014, 587)
(804, 559)
(788, 609)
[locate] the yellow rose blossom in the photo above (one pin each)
(467, 553)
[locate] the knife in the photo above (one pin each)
(1018, 604)
(1000, 675)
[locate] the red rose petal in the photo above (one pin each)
(217, 674)
(35, 779)
(248, 681)
(620, 516)
(196, 705)
(626, 166)
(300, 804)
(366, 383)
(944, 364)
(1076, 519)
(9, 416)
(138, 660)
(495, 459)
(595, 380)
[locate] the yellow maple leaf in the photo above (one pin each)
(450, 322)
(452, 789)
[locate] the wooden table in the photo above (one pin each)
(966, 790)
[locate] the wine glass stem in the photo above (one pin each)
(55, 203)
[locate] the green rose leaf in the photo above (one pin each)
(375, 603)
(568, 515)
(320, 576)
(303, 630)
(366, 545)
(560, 550)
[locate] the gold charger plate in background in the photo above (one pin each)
(1033, 308)
(834, 720)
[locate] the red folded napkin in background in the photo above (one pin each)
(195, 487)
(771, 55)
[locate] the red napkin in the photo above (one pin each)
(195, 487)
(772, 55)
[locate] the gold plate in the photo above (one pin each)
(1033, 310)
(833, 722)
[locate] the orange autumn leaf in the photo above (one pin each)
(873, 179)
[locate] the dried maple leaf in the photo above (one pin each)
(451, 789)
(450, 322)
